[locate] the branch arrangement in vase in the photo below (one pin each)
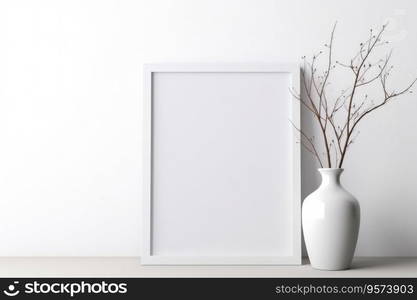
(338, 117)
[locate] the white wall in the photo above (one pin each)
(70, 111)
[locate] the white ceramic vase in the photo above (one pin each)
(331, 217)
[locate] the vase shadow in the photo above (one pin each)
(375, 263)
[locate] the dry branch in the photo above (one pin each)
(338, 136)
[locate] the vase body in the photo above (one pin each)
(331, 218)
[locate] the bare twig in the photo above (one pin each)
(338, 136)
(311, 148)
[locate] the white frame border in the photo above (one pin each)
(146, 256)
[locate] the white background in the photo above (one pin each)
(70, 111)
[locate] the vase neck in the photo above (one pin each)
(330, 176)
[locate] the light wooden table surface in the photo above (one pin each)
(131, 267)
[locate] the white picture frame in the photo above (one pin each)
(167, 237)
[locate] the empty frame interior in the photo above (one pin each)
(222, 167)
